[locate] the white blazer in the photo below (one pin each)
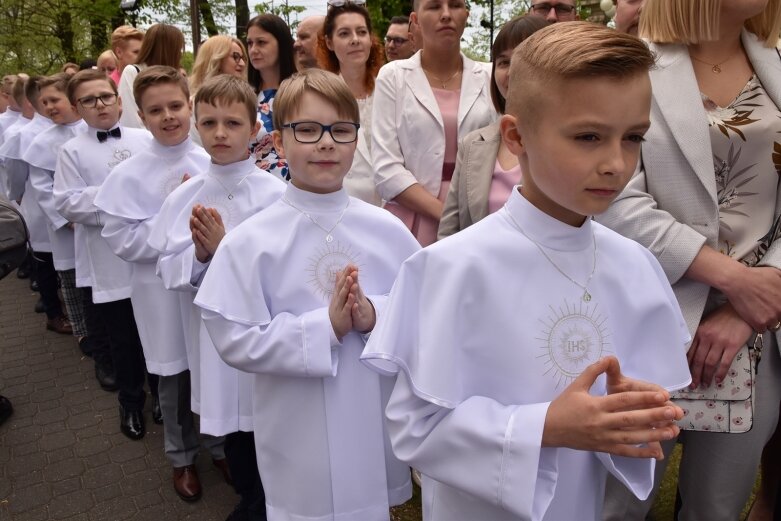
(408, 135)
(670, 205)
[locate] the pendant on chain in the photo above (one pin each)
(586, 296)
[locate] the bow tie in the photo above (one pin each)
(114, 132)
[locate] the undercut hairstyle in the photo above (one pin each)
(162, 45)
(694, 21)
(17, 91)
(32, 91)
(208, 63)
(59, 81)
(123, 34)
(328, 86)
(158, 75)
(226, 89)
(399, 20)
(85, 76)
(277, 27)
(569, 51)
(8, 83)
(510, 36)
(327, 59)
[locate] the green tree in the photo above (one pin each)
(282, 9)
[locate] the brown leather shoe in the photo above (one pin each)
(186, 483)
(59, 325)
(222, 466)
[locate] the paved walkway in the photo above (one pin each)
(61, 453)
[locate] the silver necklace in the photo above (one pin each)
(586, 295)
(328, 237)
(229, 193)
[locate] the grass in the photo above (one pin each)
(662, 510)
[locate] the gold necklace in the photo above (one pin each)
(714, 67)
(440, 80)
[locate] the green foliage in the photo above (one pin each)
(477, 42)
(282, 9)
(382, 12)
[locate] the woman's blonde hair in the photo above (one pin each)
(693, 21)
(209, 60)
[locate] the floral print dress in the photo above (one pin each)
(746, 144)
(262, 147)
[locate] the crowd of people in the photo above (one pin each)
(333, 256)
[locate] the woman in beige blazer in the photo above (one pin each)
(706, 202)
(479, 151)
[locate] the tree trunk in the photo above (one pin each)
(64, 31)
(205, 8)
(242, 19)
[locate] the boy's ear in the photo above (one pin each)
(142, 118)
(276, 136)
(255, 129)
(513, 140)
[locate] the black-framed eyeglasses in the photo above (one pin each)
(238, 57)
(91, 102)
(340, 3)
(396, 40)
(544, 8)
(312, 131)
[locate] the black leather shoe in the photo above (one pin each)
(40, 307)
(22, 273)
(6, 409)
(33, 285)
(157, 412)
(131, 423)
(106, 378)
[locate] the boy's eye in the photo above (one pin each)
(503, 63)
(587, 137)
(636, 138)
(307, 129)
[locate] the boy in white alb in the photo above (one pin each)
(41, 155)
(82, 166)
(231, 190)
(285, 298)
(131, 197)
(503, 331)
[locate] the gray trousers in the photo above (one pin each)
(718, 470)
(179, 432)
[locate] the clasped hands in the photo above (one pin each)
(349, 308)
(207, 231)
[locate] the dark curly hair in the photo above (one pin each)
(326, 58)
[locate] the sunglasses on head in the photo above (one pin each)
(340, 3)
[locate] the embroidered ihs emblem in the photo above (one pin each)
(225, 209)
(326, 262)
(118, 157)
(573, 337)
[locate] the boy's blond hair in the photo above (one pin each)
(59, 81)
(693, 21)
(225, 89)
(85, 76)
(8, 84)
(325, 84)
(158, 75)
(32, 91)
(123, 34)
(567, 51)
(208, 64)
(17, 91)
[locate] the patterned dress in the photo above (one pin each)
(262, 147)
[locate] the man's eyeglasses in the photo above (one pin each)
(561, 9)
(340, 3)
(91, 102)
(237, 57)
(312, 131)
(396, 40)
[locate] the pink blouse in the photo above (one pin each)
(502, 185)
(448, 107)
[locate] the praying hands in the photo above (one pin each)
(349, 308)
(207, 231)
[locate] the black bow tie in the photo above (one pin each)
(114, 132)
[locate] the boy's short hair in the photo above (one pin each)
(567, 51)
(158, 75)
(123, 34)
(59, 81)
(17, 91)
(8, 83)
(226, 89)
(32, 91)
(85, 76)
(694, 21)
(325, 84)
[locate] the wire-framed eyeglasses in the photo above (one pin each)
(312, 131)
(91, 102)
(544, 8)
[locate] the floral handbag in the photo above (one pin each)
(729, 405)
